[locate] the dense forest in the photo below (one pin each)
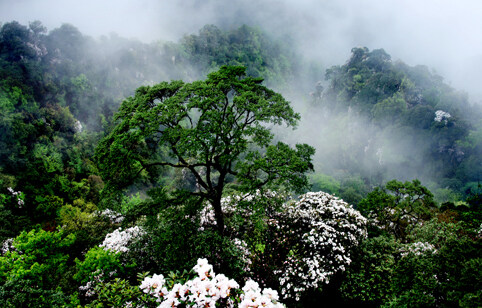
(131, 173)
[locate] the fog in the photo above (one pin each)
(442, 34)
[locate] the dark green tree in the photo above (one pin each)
(217, 130)
(398, 205)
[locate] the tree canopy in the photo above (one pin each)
(205, 128)
(398, 205)
(66, 243)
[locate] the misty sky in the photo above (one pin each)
(442, 34)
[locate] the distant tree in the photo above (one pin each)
(14, 42)
(67, 43)
(398, 205)
(262, 55)
(387, 110)
(37, 28)
(213, 129)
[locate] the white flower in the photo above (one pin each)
(441, 115)
(203, 269)
(114, 217)
(7, 245)
(326, 228)
(78, 126)
(419, 248)
(18, 195)
(250, 285)
(153, 285)
(118, 240)
(207, 290)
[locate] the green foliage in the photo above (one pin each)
(129, 204)
(445, 276)
(78, 216)
(98, 261)
(433, 264)
(174, 240)
(468, 293)
(353, 190)
(49, 205)
(26, 293)
(280, 165)
(120, 293)
(402, 101)
(38, 144)
(415, 282)
(326, 183)
(369, 277)
(389, 273)
(398, 205)
(389, 109)
(247, 46)
(39, 262)
(168, 244)
(212, 129)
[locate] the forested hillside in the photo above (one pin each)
(398, 122)
(122, 160)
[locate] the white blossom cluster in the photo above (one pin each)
(98, 277)
(326, 229)
(242, 247)
(441, 115)
(254, 297)
(114, 217)
(390, 219)
(88, 288)
(39, 49)
(17, 195)
(418, 248)
(78, 126)
(119, 240)
(209, 289)
(7, 245)
(229, 205)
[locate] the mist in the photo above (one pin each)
(443, 35)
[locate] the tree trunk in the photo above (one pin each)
(218, 214)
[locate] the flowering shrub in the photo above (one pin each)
(245, 215)
(88, 288)
(209, 290)
(321, 229)
(244, 205)
(303, 244)
(98, 267)
(113, 216)
(441, 115)
(7, 245)
(418, 248)
(118, 240)
(102, 263)
(37, 255)
(18, 195)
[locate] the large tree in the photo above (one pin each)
(397, 206)
(213, 129)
